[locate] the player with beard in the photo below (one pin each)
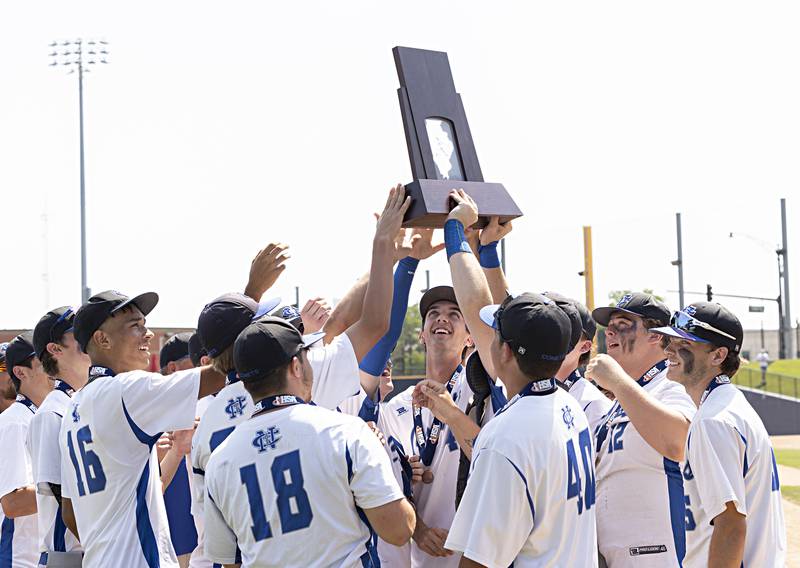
(640, 505)
(8, 395)
(63, 360)
(734, 514)
(110, 485)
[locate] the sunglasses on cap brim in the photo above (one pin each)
(681, 321)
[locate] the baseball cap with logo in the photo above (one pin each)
(706, 322)
(52, 327)
(19, 350)
(266, 345)
(572, 312)
(638, 304)
(175, 348)
(533, 326)
(436, 294)
(196, 349)
(222, 320)
(290, 314)
(104, 305)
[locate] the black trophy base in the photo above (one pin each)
(430, 202)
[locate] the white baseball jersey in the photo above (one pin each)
(19, 546)
(640, 506)
(594, 403)
(109, 469)
(530, 497)
(730, 459)
(436, 502)
(43, 444)
(289, 486)
(336, 378)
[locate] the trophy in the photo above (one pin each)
(440, 145)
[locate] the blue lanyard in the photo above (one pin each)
(427, 445)
(61, 385)
(617, 410)
(97, 371)
(721, 379)
(26, 402)
(277, 401)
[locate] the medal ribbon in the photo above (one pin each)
(427, 444)
(616, 409)
(721, 379)
(277, 401)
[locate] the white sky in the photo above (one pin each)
(219, 127)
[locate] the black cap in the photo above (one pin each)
(3, 347)
(706, 322)
(436, 294)
(52, 327)
(102, 306)
(290, 314)
(19, 350)
(267, 344)
(572, 312)
(533, 325)
(638, 304)
(175, 348)
(222, 320)
(588, 325)
(196, 349)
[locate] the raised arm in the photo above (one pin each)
(491, 236)
(374, 321)
(469, 280)
(266, 267)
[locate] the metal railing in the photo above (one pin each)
(770, 382)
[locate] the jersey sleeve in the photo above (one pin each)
(717, 456)
(676, 398)
(15, 465)
(156, 403)
(46, 450)
(220, 541)
(335, 370)
(495, 516)
(369, 469)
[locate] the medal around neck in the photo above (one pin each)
(440, 145)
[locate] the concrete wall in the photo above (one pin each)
(780, 414)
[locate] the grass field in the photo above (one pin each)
(790, 367)
(789, 458)
(792, 493)
(783, 377)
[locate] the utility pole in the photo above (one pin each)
(297, 297)
(79, 60)
(787, 313)
(588, 270)
(679, 261)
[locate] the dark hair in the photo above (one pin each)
(650, 323)
(273, 383)
(223, 363)
(26, 363)
(50, 364)
(731, 363)
(538, 368)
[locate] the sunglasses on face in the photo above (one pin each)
(690, 324)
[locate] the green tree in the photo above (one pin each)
(616, 295)
(408, 355)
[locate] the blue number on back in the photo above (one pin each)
(92, 468)
(690, 524)
(218, 437)
(574, 471)
(289, 491)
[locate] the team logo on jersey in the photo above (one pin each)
(266, 440)
(651, 549)
(235, 407)
(75, 415)
(402, 410)
(649, 375)
(284, 400)
(624, 300)
(566, 415)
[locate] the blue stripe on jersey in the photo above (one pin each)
(677, 507)
(745, 467)
(178, 502)
(525, 483)
(143, 526)
(7, 543)
(59, 533)
(497, 397)
(370, 558)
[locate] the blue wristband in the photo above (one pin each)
(454, 239)
(488, 255)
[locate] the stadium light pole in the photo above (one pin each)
(79, 56)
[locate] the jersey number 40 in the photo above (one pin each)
(574, 473)
(294, 508)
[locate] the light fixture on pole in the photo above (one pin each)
(80, 56)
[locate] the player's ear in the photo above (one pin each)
(586, 346)
(718, 355)
(54, 348)
(101, 339)
(171, 367)
(205, 360)
(21, 372)
(469, 342)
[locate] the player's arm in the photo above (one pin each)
(176, 456)
(469, 281)
(727, 541)
(68, 516)
(394, 522)
(211, 381)
(17, 495)
(374, 321)
(489, 260)
(434, 396)
(662, 427)
(467, 563)
(267, 266)
(20, 502)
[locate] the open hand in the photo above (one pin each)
(314, 315)
(267, 266)
(431, 541)
(422, 246)
(391, 220)
(495, 231)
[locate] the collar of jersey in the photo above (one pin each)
(719, 380)
(97, 371)
(652, 372)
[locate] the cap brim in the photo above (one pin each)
(266, 306)
(313, 338)
(487, 314)
(145, 302)
(603, 315)
(678, 334)
(436, 294)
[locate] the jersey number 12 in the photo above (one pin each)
(289, 491)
